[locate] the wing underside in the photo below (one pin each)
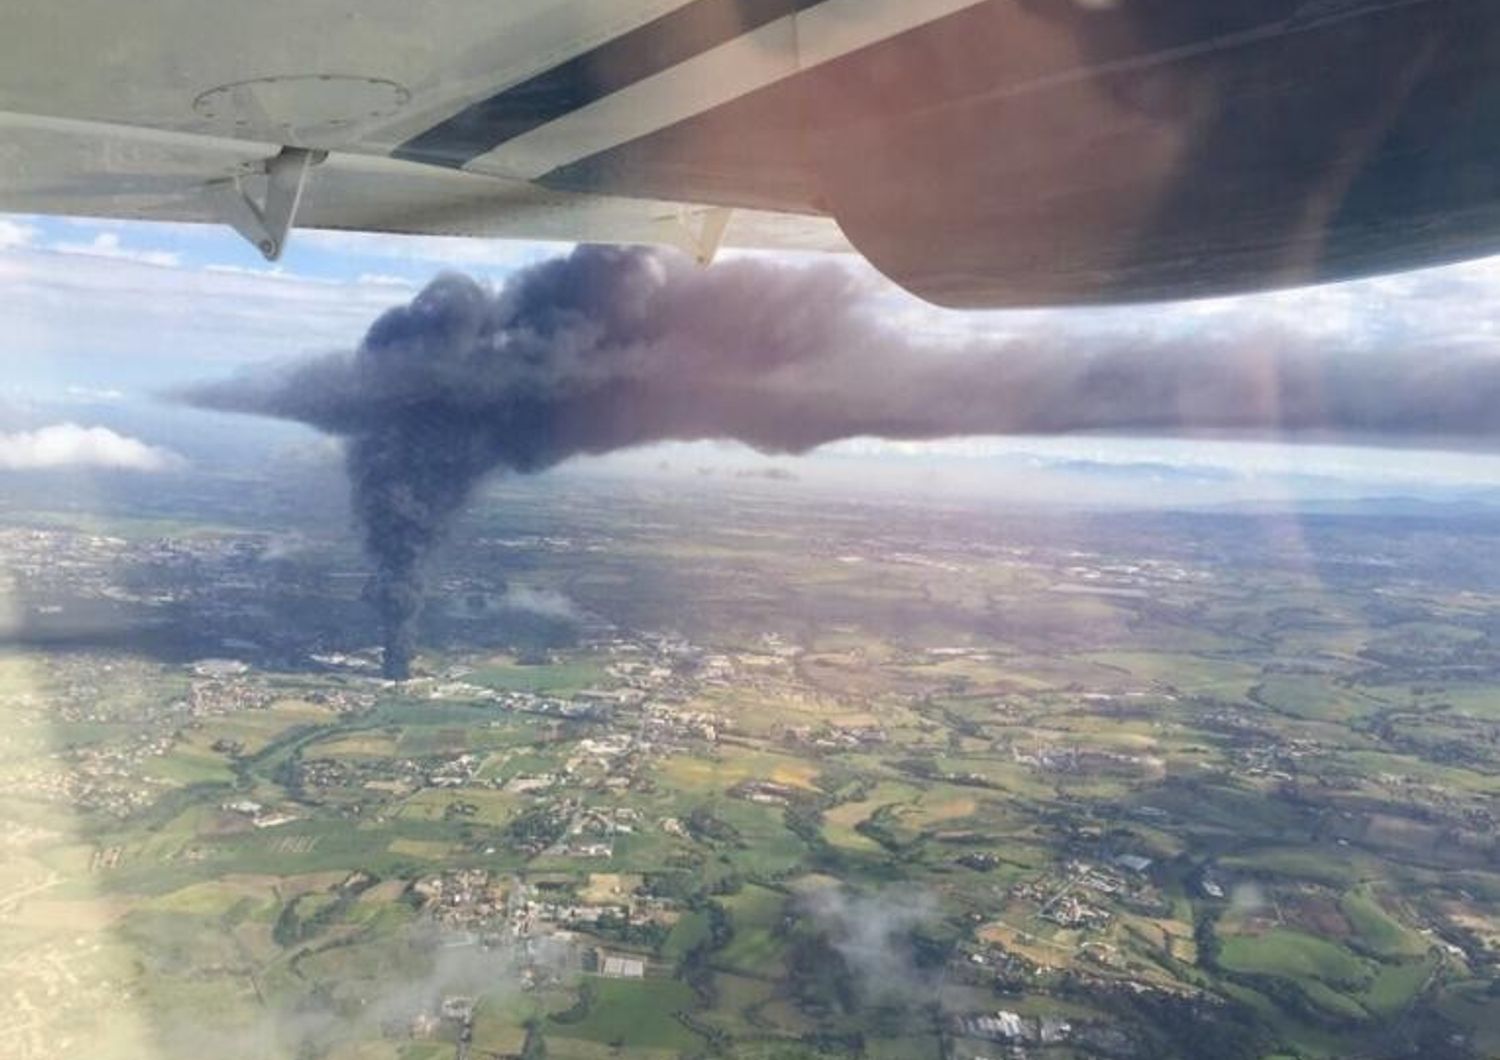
(980, 152)
(91, 169)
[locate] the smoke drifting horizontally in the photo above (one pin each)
(608, 348)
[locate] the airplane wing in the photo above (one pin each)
(979, 152)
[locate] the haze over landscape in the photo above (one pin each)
(859, 680)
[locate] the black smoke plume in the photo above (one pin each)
(607, 348)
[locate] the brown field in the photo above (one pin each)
(1467, 916)
(359, 745)
(384, 893)
(1318, 915)
(698, 774)
(606, 887)
(859, 720)
(1059, 951)
(79, 915)
(290, 886)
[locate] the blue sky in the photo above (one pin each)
(136, 307)
(104, 314)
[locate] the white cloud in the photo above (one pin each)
(451, 251)
(277, 272)
(66, 445)
(1412, 467)
(15, 234)
(68, 305)
(107, 245)
(94, 395)
(381, 279)
(274, 272)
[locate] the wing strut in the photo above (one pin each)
(700, 231)
(266, 224)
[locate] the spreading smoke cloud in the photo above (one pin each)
(369, 1002)
(872, 933)
(545, 603)
(608, 348)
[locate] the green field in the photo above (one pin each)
(754, 914)
(1292, 953)
(557, 678)
(1375, 929)
(627, 1014)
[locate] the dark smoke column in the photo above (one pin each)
(410, 473)
(402, 500)
(412, 459)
